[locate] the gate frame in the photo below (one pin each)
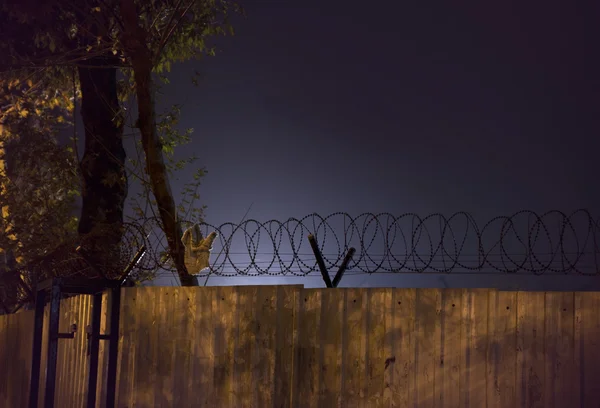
(57, 287)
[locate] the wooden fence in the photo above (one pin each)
(286, 346)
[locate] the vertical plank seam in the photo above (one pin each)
(442, 348)
(323, 314)
(344, 344)
(393, 339)
(487, 347)
(366, 337)
(416, 328)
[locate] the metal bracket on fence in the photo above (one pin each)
(90, 336)
(70, 334)
(323, 268)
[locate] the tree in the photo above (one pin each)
(91, 42)
(39, 187)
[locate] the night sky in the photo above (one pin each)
(397, 106)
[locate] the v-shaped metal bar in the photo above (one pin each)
(323, 268)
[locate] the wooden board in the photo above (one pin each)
(451, 363)
(286, 338)
(306, 363)
(530, 347)
(332, 311)
(502, 354)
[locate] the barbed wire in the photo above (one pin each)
(522, 243)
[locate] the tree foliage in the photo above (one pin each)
(62, 51)
(40, 185)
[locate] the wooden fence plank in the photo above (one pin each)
(21, 367)
(479, 347)
(287, 300)
(590, 347)
(389, 349)
(450, 342)
(502, 354)
(163, 347)
(307, 361)
(466, 342)
(126, 347)
(578, 350)
(332, 301)
(149, 301)
(182, 352)
(79, 309)
(375, 360)
(404, 386)
(245, 387)
(437, 357)
(8, 388)
(427, 330)
(559, 338)
(205, 316)
(225, 308)
(4, 360)
(354, 357)
(264, 364)
(530, 343)
(167, 337)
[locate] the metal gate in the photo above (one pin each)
(51, 292)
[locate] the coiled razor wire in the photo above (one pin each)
(522, 243)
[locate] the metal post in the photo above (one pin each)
(52, 345)
(36, 353)
(113, 350)
(132, 264)
(343, 267)
(320, 261)
(94, 343)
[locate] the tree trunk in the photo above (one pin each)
(103, 165)
(134, 41)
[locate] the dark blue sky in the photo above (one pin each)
(397, 106)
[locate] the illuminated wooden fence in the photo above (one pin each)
(286, 346)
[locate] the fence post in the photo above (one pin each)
(36, 353)
(52, 344)
(113, 348)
